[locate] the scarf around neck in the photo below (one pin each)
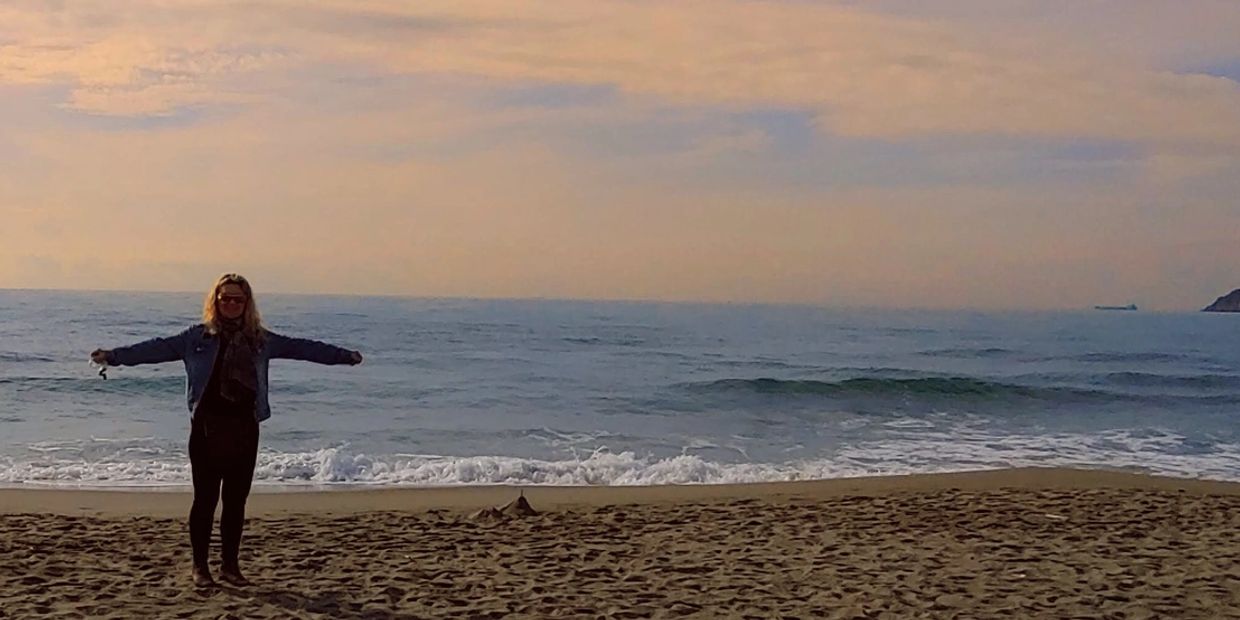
(238, 374)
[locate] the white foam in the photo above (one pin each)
(921, 452)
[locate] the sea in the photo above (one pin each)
(551, 392)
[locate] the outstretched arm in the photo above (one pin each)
(153, 351)
(306, 350)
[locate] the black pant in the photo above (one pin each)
(222, 449)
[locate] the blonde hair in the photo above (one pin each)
(251, 320)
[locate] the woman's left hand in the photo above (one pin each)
(357, 357)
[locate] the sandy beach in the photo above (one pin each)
(1030, 543)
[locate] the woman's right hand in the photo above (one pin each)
(99, 356)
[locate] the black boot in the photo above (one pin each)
(202, 577)
(230, 573)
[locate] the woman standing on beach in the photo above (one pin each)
(226, 359)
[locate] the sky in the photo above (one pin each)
(988, 154)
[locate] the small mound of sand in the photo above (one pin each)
(519, 507)
(515, 509)
(1001, 552)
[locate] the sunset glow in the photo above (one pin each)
(975, 154)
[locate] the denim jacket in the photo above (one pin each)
(197, 349)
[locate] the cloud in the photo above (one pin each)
(126, 64)
(864, 75)
(1188, 165)
(1133, 31)
(861, 74)
(742, 143)
(757, 151)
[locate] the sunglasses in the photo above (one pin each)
(231, 299)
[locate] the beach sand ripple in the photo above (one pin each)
(1002, 553)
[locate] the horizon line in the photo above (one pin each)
(620, 300)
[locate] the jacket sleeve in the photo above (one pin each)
(283, 347)
(153, 351)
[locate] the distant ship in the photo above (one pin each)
(1128, 307)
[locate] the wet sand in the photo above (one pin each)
(1029, 543)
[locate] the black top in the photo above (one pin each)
(212, 402)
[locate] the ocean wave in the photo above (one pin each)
(879, 386)
(1138, 356)
(159, 385)
(1115, 387)
(7, 356)
(924, 451)
(612, 342)
(969, 353)
(1143, 379)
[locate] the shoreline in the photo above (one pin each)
(173, 501)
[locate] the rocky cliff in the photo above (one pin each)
(1227, 303)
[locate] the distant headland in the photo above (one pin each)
(1227, 303)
